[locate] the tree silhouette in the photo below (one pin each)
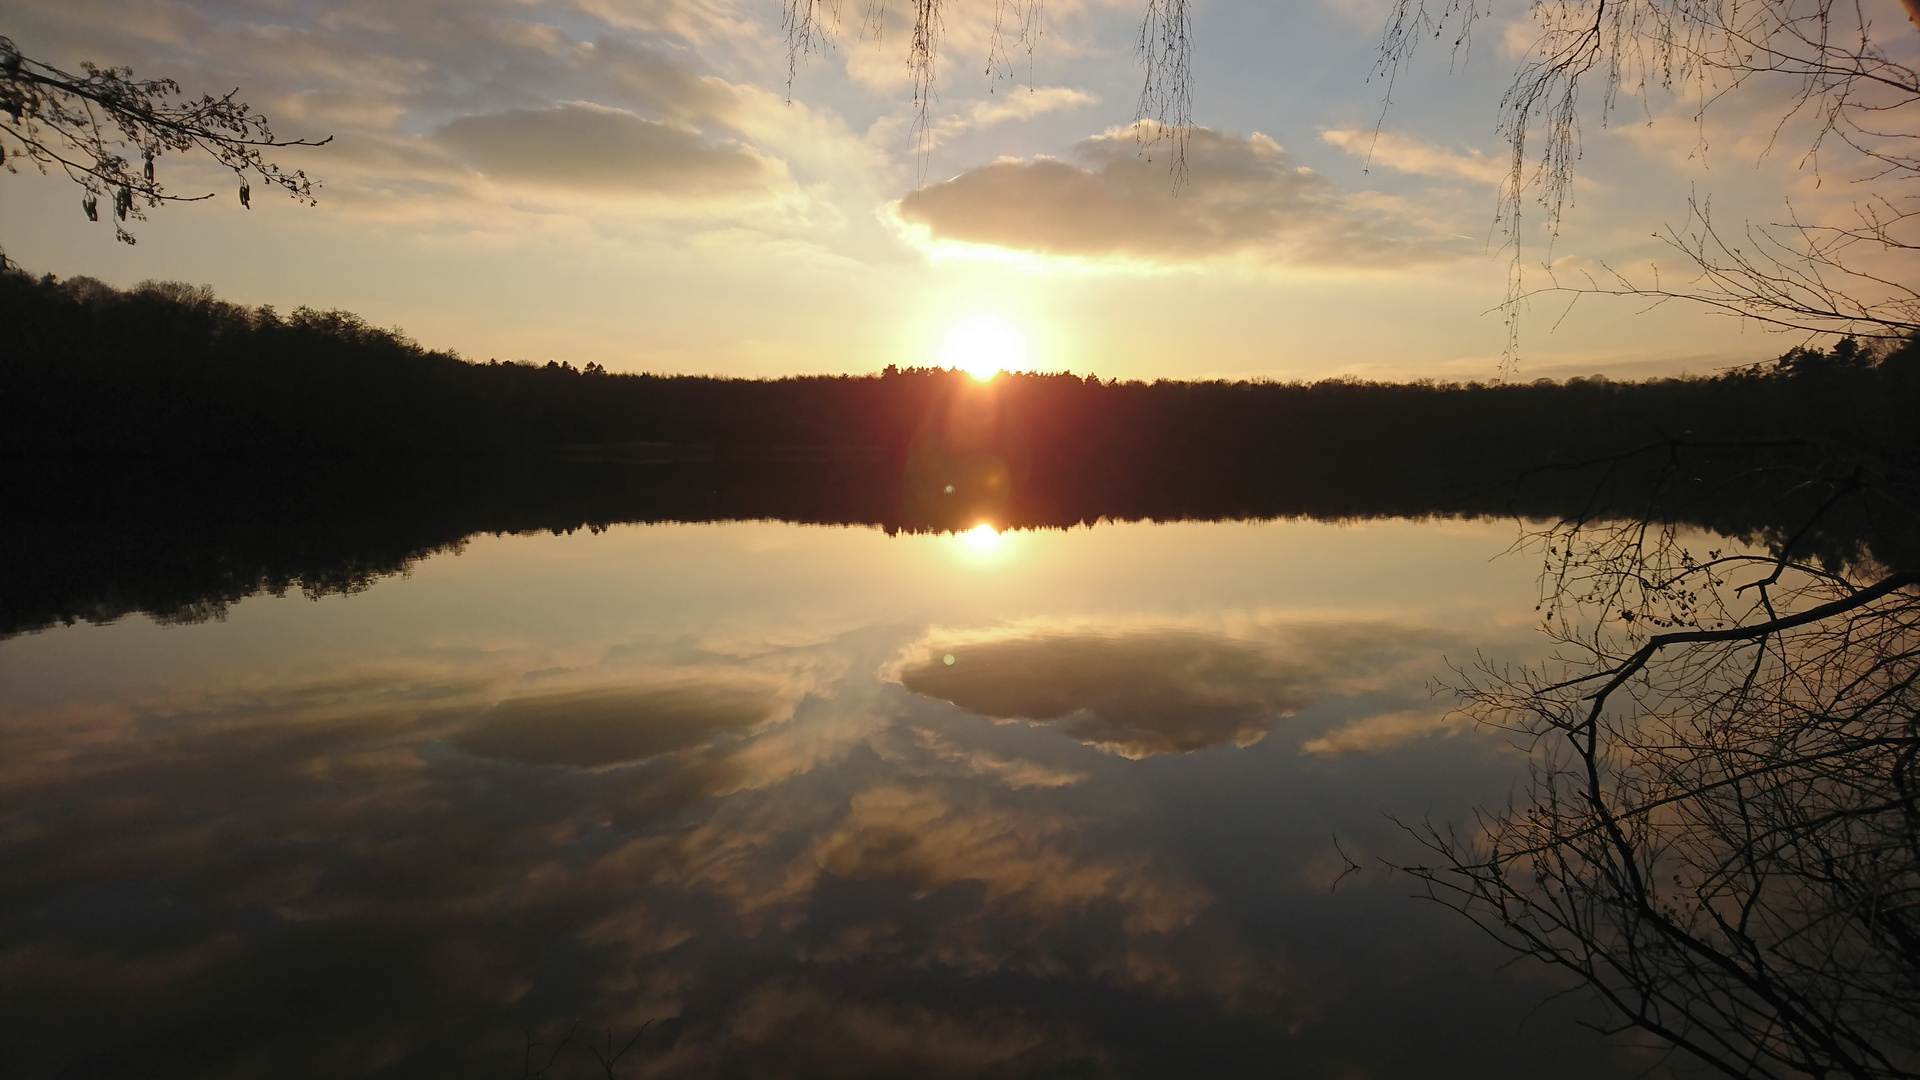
(105, 129)
(1828, 57)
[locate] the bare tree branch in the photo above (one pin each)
(1592, 53)
(95, 126)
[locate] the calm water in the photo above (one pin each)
(815, 801)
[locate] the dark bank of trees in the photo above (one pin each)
(166, 371)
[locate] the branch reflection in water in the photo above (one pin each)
(1719, 836)
(1721, 832)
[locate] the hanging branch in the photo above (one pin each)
(1164, 45)
(105, 129)
(1165, 48)
(1799, 276)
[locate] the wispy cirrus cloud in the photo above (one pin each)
(1383, 731)
(1411, 154)
(1022, 103)
(924, 841)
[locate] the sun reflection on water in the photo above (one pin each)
(982, 544)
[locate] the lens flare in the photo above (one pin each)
(984, 346)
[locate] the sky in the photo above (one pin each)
(664, 186)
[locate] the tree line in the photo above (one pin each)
(167, 371)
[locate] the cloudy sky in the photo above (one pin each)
(660, 185)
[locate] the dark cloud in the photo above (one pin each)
(1245, 196)
(606, 727)
(1155, 690)
(585, 147)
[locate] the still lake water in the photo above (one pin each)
(816, 801)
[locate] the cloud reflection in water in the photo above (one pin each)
(589, 728)
(1145, 690)
(404, 858)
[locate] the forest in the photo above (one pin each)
(168, 371)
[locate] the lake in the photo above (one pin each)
(802, 800)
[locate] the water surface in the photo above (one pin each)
(815, 801)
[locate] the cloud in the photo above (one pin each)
(566, 121)
(647, 78)
(703, 22)
(743, 865)
(295, 814)
(1137, 694)
(584, 147)
(1023, 103)
(1244, 197)
(1014, 772)
(923, 841)
(610, 726)
(1373, 734)
(1152, 690)
(1409, 154)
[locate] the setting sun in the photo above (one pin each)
(983, 346)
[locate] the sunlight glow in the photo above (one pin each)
(983, 346)
(987, 547)
(982, 537)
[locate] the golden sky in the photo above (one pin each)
(657, 185)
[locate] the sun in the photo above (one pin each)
(984, 346)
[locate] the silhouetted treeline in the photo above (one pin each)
(169, 453)
(166, 370)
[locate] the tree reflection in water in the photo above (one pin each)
(1097, 841)
(1720, 835)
